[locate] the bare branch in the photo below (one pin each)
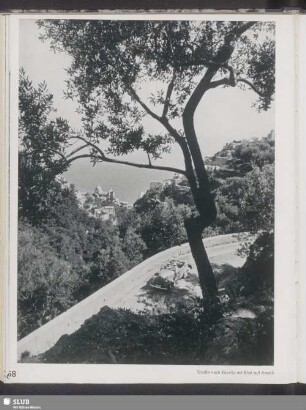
(218, 83)
(244, 27)
(144, 106)
(58, 153)
(172, 131)
(103, 158)
(88, 143)
(78, 157)
(231, 80)
(149, 159)
(168, 94)
(147, 166)
(251, 85)
(76, 150)
(200, 62)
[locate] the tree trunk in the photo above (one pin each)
(206, 276)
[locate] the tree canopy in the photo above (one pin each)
(114, 62)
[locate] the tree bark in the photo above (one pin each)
(206, 276)
(206, 208)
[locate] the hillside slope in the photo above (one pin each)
(129, 292)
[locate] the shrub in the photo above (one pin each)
(46, 284)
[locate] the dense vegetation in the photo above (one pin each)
(112, 62)
(65, 254)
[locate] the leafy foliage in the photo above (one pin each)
(111, 60)
(42, 143)
(248, 154)
(162, 223)
(257, 200)
(120, 336)
(183, 337)
(257, 274)
(65, 258)
(46, 283)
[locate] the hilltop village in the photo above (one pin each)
(225, 163)
(101, 205)
(81, 241)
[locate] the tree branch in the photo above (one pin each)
(144, 106)
(68, 161)
(76, 150)
(233, 81)
(162, 120)
(103, 158)
(58, 153)
(147, 166)
(88, 143)
(177, 137)
(149, 159)
(200, 62)
(218, 83)
(222, 57)
(168, 95)
(237, 32)
(203, 198)
(244, 27)
(251, 85)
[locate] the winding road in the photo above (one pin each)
(125, 292)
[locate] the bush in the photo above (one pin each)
(185, 336)
(257, 274)
(121, 336)
(46, 284)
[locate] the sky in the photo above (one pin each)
(223, 115)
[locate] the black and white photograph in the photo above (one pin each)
(146, 191)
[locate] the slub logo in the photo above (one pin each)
(6, 401)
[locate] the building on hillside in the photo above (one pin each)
(215, 164)
(166, 182)
(98, 191)
(105, 213)
(155, 185)
(102, 205)
(124, 204)
(81, 197)
(178, 179)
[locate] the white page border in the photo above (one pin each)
(284, 369)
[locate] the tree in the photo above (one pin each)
(133, 246)
(46, 283)
(256, 216)
(257, 200)
(162, 226)
(249, 154)
(113, 60)
(42, 143)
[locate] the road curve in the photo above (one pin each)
(122, 292)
